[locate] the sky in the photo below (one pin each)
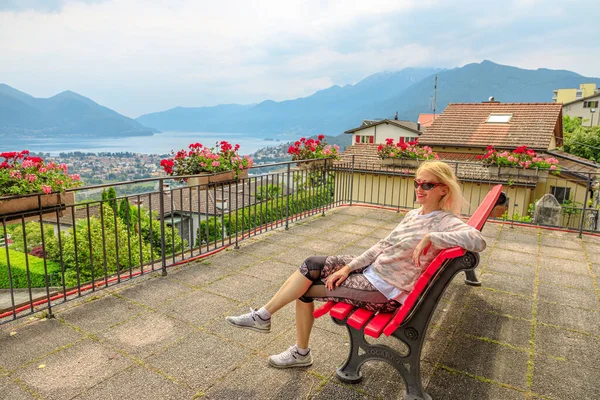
(142, 56)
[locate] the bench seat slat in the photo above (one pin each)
(341, 310)
(377, 324)
(324, 309)
(359, 318)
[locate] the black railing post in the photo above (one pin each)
(587, 192)
(352, 179)
(287, 198)
(161, 199)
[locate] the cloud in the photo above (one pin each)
(141, 56)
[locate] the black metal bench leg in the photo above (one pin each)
(471, 278)
(349, 372)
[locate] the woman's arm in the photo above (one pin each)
(369, 256)
(454, 232)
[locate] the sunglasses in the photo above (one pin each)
(427, 185)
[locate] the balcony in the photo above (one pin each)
(531, 331)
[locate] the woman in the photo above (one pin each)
(380, 278)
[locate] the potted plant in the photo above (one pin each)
(521, 161)
(317, 151)
(211, 166)
(22, 175)
(404, 154)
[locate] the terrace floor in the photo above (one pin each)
(531, 331)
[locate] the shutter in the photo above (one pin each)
(371, 139)
(401, 139)
(357, 139)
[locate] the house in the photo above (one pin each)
(463, 132)
(568, 95)
(585, 108)
(376, 131)
(425, 120)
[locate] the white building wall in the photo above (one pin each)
(577, 110)
(384, 131)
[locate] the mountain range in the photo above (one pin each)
(66, 114)
(331, 111)
(409, 92)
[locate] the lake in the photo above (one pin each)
(159, 143)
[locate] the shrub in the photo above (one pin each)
(18, 269)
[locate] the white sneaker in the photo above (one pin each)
(251, 321)
(291, 358)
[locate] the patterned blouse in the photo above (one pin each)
(391, 258)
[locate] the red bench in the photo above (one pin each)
(409, 323)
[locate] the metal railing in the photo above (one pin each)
(63, 251)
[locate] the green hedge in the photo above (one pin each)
(18, 270)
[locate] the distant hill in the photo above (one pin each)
(336, 109)
(66, 114)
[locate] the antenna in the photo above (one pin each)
(434, 96)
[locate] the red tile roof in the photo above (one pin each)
(426, 119)
(464, 124)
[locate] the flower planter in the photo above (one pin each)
(315, 164)
(242, 174)
(30, 205)
(401, 162)
(514, 171)
(206, 178)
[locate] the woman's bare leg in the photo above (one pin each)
(295, 286)
(304, 323)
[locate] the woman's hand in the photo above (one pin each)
(421, 249)
(336, 279)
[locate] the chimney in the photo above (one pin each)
(396, 116)
(491, 100)
(418, 126)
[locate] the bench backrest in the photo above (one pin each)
(477, 221)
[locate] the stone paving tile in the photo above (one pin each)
(34, 340)
(232, 259)
(512, 235)
(506, 283)
(559, 252)
(570, 266)
(256, 380)
(99, 314)
(137, 383)
(296, 256)
(523, 271)
(501, 303)
(356, 229)
(593, 249)
(12, 391)
(271, 270)
(246, 337)
(156, 291)
(238, 287)
(145, 334)
(323, 247)
(512, 331)
(199, 307)
(199, 360)
(198, 274)
(436, 341)
(337, 391)
(561, 278)
(574, 244)
(262, 249)
(564, 295)
(329, 350)
(451, 385)
(574, 347)
(563, 380)
(516, 246)
(380, 380)
(489, 360)
(596, 270)
(569, 317)
(514, 257)
(72, 370)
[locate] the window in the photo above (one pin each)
(561, 193)
(365, 139)
(578, 94)
(590, 104)
(499, 118)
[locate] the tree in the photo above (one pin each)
(582, 141)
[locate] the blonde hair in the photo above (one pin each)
(452, 201)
